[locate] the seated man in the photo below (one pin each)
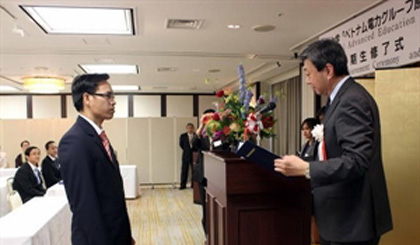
(20, 159)
(50, 165)
(28, 180)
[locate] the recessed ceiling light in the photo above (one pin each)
(81, 20)
(233, 26)
(110, 68)
(125, 87)
(214, 70)
(7, 88)
(263, 28)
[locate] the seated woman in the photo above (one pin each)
(310, 148)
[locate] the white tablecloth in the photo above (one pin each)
(4, 205)
(7, 172)
(56, 190)
(42, 220)
(130, 181)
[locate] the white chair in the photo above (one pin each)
(14, 200)
(10, 185)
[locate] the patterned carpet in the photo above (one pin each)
(165, 216)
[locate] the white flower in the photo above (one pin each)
(318, 132)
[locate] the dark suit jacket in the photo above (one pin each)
(201, 144)
(187, 150)
(50, 171)
(25, 183)
(312, 155)
(350, 195)
(94, 188)
(18, 161)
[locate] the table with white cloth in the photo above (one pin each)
(41, 220)
(4, 205)
(56, 190)
(130, 180)
(7, 172)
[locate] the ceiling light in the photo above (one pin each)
(125, 87)
(81, 20)
(263, 28)
(232, 26)
(7, 88)
(43, 84)
(110, 68)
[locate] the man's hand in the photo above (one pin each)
(291, 165)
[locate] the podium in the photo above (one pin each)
(247, 204)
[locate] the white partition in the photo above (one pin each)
(139, 153)
(116, 129)
(46, 106)
(179, 106)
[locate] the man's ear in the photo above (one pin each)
(85, 99)
(330, 70)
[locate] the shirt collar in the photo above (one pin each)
(94, 125)
(33, 167)
(337, 88)
(52, 158)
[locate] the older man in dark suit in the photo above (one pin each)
(351, 203)
(186, 142)
(51, 165)
(90, 169)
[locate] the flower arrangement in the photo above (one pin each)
(235, 120)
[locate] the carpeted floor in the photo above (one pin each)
(165, 216)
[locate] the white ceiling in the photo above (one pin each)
(191, 52)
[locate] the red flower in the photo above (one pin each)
(261, 100)
(267, 122)
(216, 116)
(220, 94)
(226, 130)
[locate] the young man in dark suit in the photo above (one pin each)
(351, 203)
(186, 142)
(28, 180)
(90, 169)
(51, 165)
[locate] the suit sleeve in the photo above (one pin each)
(78, 176)
(180, 141)
(355, 132)
(48, 172)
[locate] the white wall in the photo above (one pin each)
(121, 108)
(179, 106)
(146, 105)
(46, 106)
(13, 107)
(206, 102)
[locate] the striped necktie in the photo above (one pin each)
(105, 142)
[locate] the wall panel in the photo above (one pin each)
(46, 106)
(179, 106)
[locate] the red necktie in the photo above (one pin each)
(324, 151)
(105, 142)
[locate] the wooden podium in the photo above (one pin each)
(247, 204)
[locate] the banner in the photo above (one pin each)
(385, 36)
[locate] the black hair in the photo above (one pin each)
(320, 112)
(30, 148)
(47, 145)
(327, 51)
(23, 142)
(209, 111)
(189, 124)
(86, 83)
(310, 121)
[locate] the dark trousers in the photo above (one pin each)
(184, 172)
(370, 242)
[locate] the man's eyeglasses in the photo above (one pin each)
(108, 96)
